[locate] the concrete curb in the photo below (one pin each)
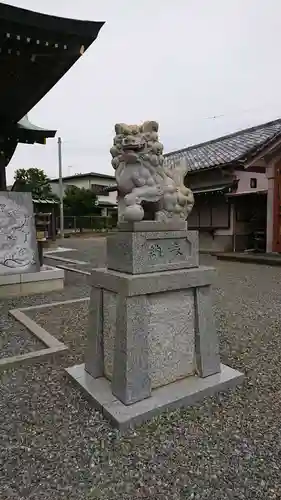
(66, 268)
(65, 259)
(253, 258)
(53, 346)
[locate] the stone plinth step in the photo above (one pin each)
(180, 394)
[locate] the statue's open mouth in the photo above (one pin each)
(132, 147)
(133, 144)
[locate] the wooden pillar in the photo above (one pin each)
(273, 225)
(233, 223)
(7, 149)
(276, 246)
(53, 224)
(3, 183)
(270, 174)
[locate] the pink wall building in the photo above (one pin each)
(230, 200)
(251, 181)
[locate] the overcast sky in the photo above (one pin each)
(183, 63)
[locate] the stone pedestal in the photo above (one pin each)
(152, 339)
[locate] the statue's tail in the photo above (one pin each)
(177, 171)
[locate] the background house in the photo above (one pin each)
(230, 198)
(107, 200)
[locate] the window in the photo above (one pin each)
(253, 182)
(212, 212)
(99, 190)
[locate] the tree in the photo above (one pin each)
(79, 201)
(33, 180)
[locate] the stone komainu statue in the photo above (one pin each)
(147, 187)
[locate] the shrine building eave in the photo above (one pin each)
(28, 133)
(22, 132)
(36, 50)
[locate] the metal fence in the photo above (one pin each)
(75, 224)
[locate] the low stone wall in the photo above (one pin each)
(46, 280)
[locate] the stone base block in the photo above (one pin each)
(182, 393)
(48, 279)
(152, 251)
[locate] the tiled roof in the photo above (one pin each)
(83, 176)
(234, 148)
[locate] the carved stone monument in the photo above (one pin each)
(18, 247)
(20, 272)
(152, 342)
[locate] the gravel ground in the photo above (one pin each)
(54, 446)
(15, 339)
(68, 323)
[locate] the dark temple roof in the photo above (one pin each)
(28, 133)
(36, 51)
(237, 148)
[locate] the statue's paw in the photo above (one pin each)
(133, 213)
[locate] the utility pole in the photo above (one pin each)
(60, 188)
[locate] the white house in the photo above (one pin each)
(99, 183)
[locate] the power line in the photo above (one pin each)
(78, 145)
(242, 111)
